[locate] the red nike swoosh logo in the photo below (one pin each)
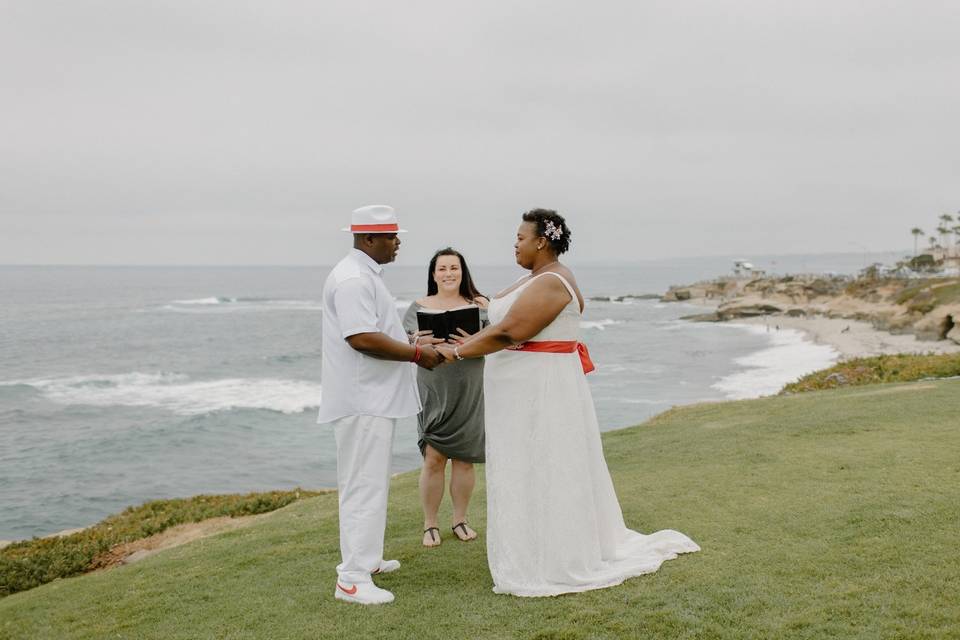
(352, 590)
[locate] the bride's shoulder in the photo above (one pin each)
(513, 287)
(567, 274)
(547, 282)
(565, 271)
(568, 279)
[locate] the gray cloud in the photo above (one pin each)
(215, 132)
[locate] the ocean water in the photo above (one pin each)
(124, 384)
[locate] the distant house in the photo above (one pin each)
(744, 269)
(936, 261)
(949, 258)
(951, 266)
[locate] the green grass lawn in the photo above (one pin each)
(829, 514)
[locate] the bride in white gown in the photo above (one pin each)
(554, 524)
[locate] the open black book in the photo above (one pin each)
(443, 324)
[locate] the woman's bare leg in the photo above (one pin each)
(462, 480)
(431, 492)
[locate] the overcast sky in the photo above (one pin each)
(227, 132)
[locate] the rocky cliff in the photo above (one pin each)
(928, 308)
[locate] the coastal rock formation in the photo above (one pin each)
(954, 334)
(714, 290)
(747, 309)
(680, 294)
(928, 308)
(940, 323)
(702, 317)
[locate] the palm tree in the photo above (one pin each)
(944, 228)
(943, 232)
(917, 232)
(956, 235)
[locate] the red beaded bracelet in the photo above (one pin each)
(416, 352)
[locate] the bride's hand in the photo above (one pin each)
(425, 337)
(446, 351)
(460, 339)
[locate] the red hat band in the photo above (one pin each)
(374, 228)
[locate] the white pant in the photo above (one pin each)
(364, 446)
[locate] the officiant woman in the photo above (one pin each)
(451, 424)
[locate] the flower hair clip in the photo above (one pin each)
(554, 232)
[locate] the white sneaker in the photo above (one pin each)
(362, 593)
(386, 566)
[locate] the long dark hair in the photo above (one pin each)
(467, 289)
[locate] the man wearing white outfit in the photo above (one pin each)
(368, 384)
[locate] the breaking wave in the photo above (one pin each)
(599, 324)
(226, 304)
(178, 393)
(789, 357)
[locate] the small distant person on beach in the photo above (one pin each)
(367, 385)
(554, 523)
(451, 423)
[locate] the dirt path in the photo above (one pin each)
(137, 550)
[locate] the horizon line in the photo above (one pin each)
(586, 263)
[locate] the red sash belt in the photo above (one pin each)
(560, 346)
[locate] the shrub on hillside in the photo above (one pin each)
(30, 563)
(879, 369)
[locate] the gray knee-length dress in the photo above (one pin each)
(452, 395)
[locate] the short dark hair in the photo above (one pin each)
(540, 217)
(468, 291)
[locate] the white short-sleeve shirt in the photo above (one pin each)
(356, 300)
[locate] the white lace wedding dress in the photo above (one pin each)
(554, 524)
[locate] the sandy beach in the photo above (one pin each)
(852, 338)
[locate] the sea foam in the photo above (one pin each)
(789, 357)
(206, 301)
(599, 324)
(178, 393)
(225, 304)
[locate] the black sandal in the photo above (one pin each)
(435, 537)
(462, 525)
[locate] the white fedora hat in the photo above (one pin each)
(376, 218)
